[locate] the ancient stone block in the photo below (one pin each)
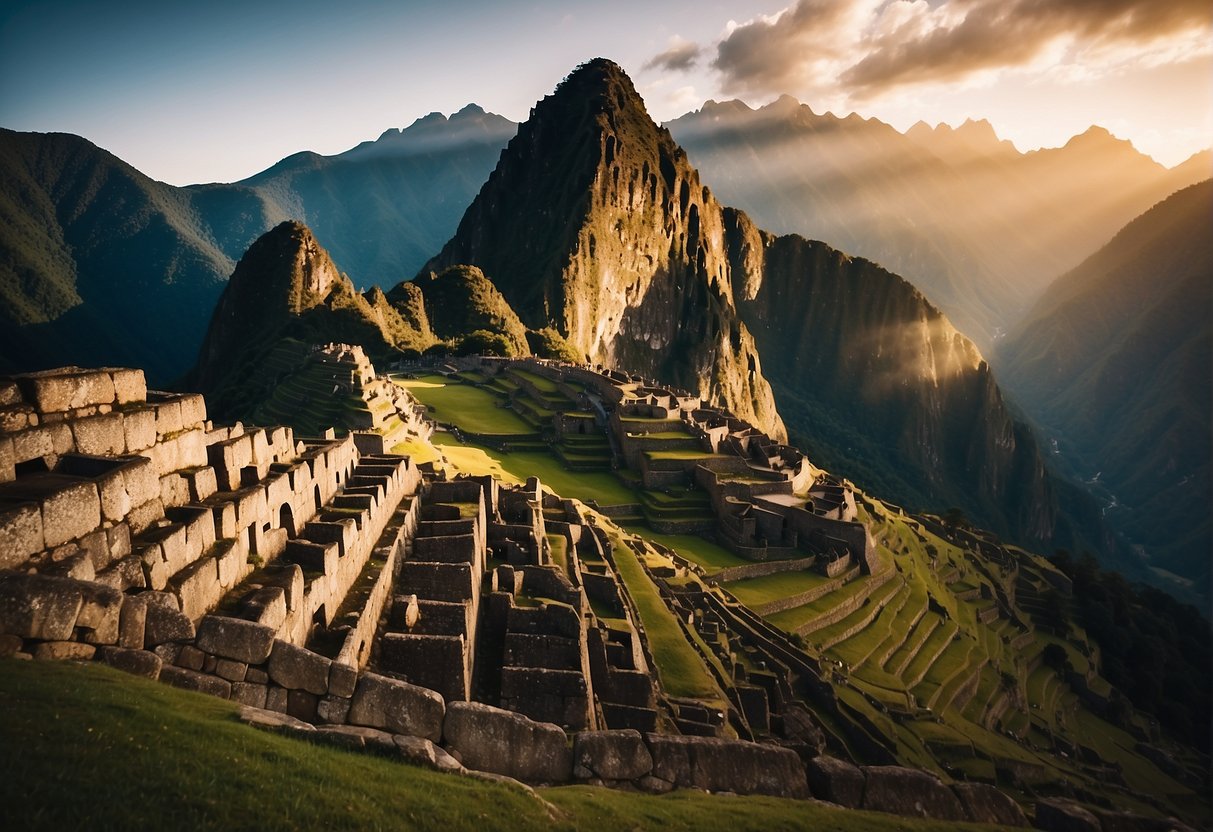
(333, 709)
(129, 385)
(202, 483)
(143, 517)
(95, 546)
(179, 677)
(985, 804)
(70, 561)
(64, 651)
(139, 429)
(17, 417)
(490, 739)
(266, 606)
(231, 562)
(39, 606)
(275, 699)
(141, 480)
(124, 574)
(422, 752)
(132, 621)
(1057, 815)
(174, 490)
(118, 539)
(137, 662)
(10, 645)
(726, 765)
(191, 658)
(209, 664)
(191, 448)
(193, 409)
(257, 675)
(100, 613)
(231, 670)
(62, 441)
(271, 720)
(155, 569)
(248, 693)
(301, 704)
(164, 621)
(342, 680)
(356, 736)
(10, 394)
(168, 417)
(835, 781)
(70, 512)
(612, 755)
(380, 702)
(8, 461)
(47, 391)
(234, 638)
(100, 435)
(299, 669)
(909, 792)
(197, 587)
(20, 534)
(168, 652)
(34, 443)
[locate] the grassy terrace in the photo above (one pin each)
(711, 556)
(681, 668)
(758, 591)
(474, 410)
(94, 748)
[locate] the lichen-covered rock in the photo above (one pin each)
(180, 677)
(835, 781)
(910, 792)
(611, 755)
(716, 764)
(136, 662)
(297, 668)
(39, 606)
(164, 622)
(503, 742)
(272, 720)
(422, 752)
(985, 804)
(380, 702)
(235, 638)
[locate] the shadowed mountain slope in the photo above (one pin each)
(1116, 360)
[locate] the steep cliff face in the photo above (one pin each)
(878, 382)
(595, 223)
(286, 286)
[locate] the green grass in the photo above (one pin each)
(755, 591)
(471, 409)
(88, 747)
(711, 556)
(681, 669)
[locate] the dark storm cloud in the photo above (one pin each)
(681, 56)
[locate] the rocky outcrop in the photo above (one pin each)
(595, 223)
(845, 343)
(287, 286)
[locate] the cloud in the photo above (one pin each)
(679, 57)
(863, 48)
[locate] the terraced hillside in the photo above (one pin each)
(942, 653)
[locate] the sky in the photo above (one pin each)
(217, 91)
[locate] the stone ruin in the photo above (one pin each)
(360, 599)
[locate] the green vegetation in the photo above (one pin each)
(89, 747)
(711, 556)
(758, 591)
(470, 408)
(678, 664)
